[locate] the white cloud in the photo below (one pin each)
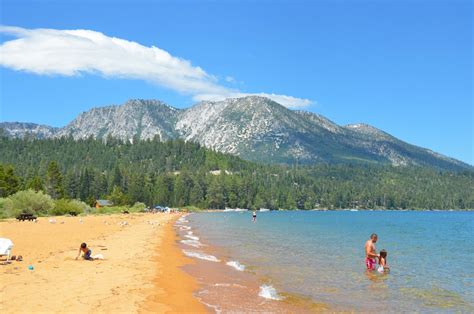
(73, 52)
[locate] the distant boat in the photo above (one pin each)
(264, 210)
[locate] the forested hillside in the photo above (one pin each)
(175, 173)
(254, 128)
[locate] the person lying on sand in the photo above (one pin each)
(87, 252)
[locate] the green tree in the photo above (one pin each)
(35, 183)
(118, 197)
(9, 182)
(164, 189)
(215, 195)
(54, 181)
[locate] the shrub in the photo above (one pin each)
(191, 209)
(137, 208)
(6, 208)
(71, 207)
(110, 210)
(32, 202)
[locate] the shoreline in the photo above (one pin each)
(341, 210)
(224, 287)
(173, 287)
(136, 248)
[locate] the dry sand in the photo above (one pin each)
(141, 271)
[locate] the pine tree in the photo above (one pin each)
(118, 197)
(215, 195)
(164, 190)
(12, 181)
(35, 184)
(54, 181)
(3, 183)
(85, 183)
(198, 192)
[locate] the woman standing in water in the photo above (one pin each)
(254, 216)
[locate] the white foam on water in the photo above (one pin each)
(214, 307)
(268, 292)
(184, 228)
(182, 220)
(236, 265)
(222, 285)
(191, 237)
(229, 285)
(190, 232)
(192, 243)
(199, 255)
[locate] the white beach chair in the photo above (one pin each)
(6, 246)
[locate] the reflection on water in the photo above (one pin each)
(320, 255)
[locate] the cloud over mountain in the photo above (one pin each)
(76, 52)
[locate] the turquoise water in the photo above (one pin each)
(321, 255)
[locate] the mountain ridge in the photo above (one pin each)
(254, 128)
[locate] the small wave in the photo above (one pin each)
(222, 285)
(192, 243)
(182, 221)
(214, 307)
(268, 292)
(190, 232)
(229, 285)
(185, 228)
(191, 237)
(206, 257)
(236, 265)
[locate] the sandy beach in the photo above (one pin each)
(141, 271)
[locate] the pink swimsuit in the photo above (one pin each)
(370, 263)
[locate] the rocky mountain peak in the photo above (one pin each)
(136, 117)
(22, 129)
(134, 103)
(253, 127)
(368, 130)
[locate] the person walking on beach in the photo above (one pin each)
(371, 253)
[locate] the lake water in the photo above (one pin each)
(320, 255)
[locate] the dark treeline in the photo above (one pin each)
(178, 174)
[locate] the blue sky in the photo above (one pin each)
(403, 66)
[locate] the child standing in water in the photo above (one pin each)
(383, 266)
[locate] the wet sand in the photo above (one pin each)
(140, 273)
(171, 283)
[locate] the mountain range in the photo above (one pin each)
(254, 128)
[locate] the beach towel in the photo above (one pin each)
(5, 246)
(98, 256)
